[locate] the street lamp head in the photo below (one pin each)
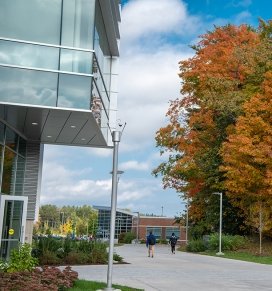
(119, 172)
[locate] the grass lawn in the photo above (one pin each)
(243, 256)
(249, 253)
(81, 285)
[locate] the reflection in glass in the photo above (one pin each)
(11, 139)
(22, 146)
(99, 84)
(74, 91)
(20, 172)
(28, 87)
(36, 20)
(78, 23)
(76, 61)
(2, 128)
(9, 169)
(101, 41)
(1, 156)
(12, 218)
(28, 55)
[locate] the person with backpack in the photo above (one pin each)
(150, 244)
(173, 241)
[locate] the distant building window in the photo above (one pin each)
(170, 230)
(157, 231)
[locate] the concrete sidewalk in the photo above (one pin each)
(182, 271)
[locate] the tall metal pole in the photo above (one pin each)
(220, 226)
(116, 137)
(187, 221)
(138, 222)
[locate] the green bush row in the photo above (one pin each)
(50, 251)
(126, 237)
(229, 243)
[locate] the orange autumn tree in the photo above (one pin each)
(247, 156)
(215, 84)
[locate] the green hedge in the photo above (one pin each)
(229, 243)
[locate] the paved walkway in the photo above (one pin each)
(180, 272)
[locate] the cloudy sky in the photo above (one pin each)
(155, 36)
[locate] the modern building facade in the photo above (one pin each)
(123, 222)
(58, 76)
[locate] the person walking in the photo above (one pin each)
(150, 244)
(173, 241)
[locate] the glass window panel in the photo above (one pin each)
(101, 41)
(2, 128)
(9, 169)
(28, 87)
(36, 20)
(170, 230)
(74, 91)
(76, 61)
(29, 55)
(99, 84)
(20, 172)
(1, 158)
(157, 231)
(22, 146)
(78, 23)
(11, 139)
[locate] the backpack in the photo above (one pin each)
(151, 240)
(173, 240)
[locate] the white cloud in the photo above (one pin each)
(147, 82)
(134, 165)
(142, 18)
(99, 152)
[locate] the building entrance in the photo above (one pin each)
(12, 223)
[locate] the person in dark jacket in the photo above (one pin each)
(173, 241)
(150, 244)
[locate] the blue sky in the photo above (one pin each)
(156, 35)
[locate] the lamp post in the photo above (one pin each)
(220, 224)
(187, 219)
(138, 222)
(116, 137)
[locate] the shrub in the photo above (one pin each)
(77, 257)
(21, 259)
(99, 254)
(49, 258)
(3, 266)
(68, 245)
(85, 246)
(229, 242)
(126, 237)
(49, 278)
(117, 258)
(196, 246)
(46, 244)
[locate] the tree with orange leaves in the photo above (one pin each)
(247, 156)
(225, 72)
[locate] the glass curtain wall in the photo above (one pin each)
(12, 171)
(49, 46)
(12, 161)
(123, 223)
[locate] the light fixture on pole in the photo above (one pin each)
(220, 224)
(116, 138)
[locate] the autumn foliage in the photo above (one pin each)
(219, 133)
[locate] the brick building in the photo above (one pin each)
(161, 227)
